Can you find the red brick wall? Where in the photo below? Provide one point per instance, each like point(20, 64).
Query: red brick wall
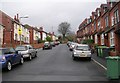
point(38, 45)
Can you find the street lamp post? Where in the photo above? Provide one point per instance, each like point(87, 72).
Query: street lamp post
point(20, 30)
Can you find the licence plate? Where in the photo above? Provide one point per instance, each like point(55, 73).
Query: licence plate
point(82, 55)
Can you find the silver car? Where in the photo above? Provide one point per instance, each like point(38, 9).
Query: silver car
point(81, 50)
point(27, 51)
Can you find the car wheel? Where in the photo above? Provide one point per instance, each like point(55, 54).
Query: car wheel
point(21, 61)
point(36, 54)
point(30, 57)
point(89, 58)
point(9, 66)
point(74, 58)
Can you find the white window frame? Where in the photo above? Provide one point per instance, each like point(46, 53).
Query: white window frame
point(96, 39)
point(106, 21)
point(102, 39)
point(112, 41)
point(99, 24)
point(112, 20)
point(116, 16)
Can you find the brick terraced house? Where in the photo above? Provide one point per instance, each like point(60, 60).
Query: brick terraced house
point(103, 26)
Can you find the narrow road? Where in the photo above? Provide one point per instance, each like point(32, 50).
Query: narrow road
point(56, 65)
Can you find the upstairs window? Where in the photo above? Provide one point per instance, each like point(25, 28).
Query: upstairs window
point(112, 39)
point(112, 20)
point(99, 24)
point(98, 12)
point(116, 16)
point(94, 26)
point(106, 21)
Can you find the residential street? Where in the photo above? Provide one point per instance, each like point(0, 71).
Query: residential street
point(56, 65)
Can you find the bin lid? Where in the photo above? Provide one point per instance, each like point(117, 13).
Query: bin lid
point(113, 57)
point(102, 47)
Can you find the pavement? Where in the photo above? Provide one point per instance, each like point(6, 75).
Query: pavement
point(101, 60)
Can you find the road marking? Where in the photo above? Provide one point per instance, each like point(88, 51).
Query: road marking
point(99, 64)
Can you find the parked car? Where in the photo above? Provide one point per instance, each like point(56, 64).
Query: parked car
point(81, 50)
point(47, 45)
point(9, 57)
point(52, 43)
point(72, 46)
point(57, 42)
point(27, 51)
point(68, 43)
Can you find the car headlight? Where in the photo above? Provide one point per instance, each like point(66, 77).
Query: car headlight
point(89, 53)
point(3, 58)
point(75, 52)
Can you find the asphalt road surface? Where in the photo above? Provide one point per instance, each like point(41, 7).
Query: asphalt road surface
point(56, 65)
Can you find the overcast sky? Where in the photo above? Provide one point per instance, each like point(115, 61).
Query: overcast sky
point(50, 13)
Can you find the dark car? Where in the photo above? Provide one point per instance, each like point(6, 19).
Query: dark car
point(47, 45)
point(9, 57)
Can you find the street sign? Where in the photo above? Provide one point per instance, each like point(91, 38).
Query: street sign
point(20, 31)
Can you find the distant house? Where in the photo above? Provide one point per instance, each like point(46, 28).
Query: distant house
point(43, 34)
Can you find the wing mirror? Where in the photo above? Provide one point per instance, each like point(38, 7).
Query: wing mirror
point(16, 52)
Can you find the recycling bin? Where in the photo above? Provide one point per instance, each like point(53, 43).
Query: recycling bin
point(113, 67)
point(106, 51)
point(100, 50)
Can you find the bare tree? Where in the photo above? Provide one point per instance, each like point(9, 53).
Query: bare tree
point(64, 28)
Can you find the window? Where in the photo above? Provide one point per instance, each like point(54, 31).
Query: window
point(116, 16)
point(98, 13)
point(111, 4)
point(105, 9)
point(102, 39)
point(99, 24)
point(112, 20)
point(106, 21)
point(0, 41)
point(16, 37)
point(96, 39)
point(27, 39)
point(22, 37)
point(112, 38)
point(94, 25)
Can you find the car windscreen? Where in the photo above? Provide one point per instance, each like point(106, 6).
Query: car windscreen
point(3, 51)
point(82, 48)
point(21, 48)
point(46, 43)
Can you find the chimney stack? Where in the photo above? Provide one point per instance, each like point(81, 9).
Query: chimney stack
point(41, 28)
point(15, 17)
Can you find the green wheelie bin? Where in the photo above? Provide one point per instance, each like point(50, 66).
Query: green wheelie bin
point(113, 67)
point(100, 50)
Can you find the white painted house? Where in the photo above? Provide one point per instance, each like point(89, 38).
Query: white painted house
point(36, 34)
point(44, 35)
point(24, 33)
